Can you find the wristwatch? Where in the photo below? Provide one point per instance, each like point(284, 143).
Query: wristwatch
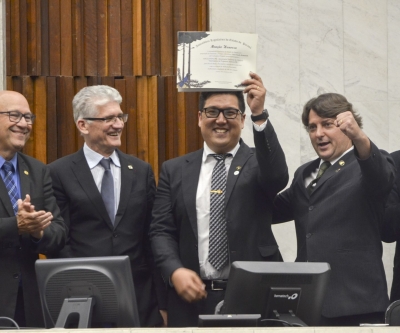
point(263, 116)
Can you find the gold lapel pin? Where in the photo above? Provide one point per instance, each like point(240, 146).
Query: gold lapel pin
point(341, 162)
point(238, 167)
point(26, 172)
point(130, 167)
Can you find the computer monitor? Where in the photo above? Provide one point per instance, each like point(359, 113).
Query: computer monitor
point(79, 292)
point(292, 292)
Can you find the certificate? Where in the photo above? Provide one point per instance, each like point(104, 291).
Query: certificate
point(209, 61)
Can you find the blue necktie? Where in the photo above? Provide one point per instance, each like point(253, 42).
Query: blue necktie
point(218, 237)
point(10, 185)
point(107, 189)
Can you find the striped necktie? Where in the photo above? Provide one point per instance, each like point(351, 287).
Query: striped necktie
point(12, 189)
point(218, 238)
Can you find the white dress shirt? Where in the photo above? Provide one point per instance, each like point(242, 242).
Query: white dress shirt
point(207, 271)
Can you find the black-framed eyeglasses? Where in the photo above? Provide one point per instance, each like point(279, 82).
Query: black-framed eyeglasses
point(111, 119)
point(16, 116)
point(229, 113)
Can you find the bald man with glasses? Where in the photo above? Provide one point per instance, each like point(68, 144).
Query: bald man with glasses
point(106, 197)
point(30, 221)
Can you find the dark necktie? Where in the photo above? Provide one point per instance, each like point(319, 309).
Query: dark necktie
point(324, 166)
point(107, 189)
point(10, 185)
point(218, 238)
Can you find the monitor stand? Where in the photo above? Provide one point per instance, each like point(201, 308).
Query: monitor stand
point(290, 317)
point(76, 310)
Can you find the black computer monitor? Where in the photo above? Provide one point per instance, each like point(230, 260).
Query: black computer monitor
point(79, 292)
point(287, 291)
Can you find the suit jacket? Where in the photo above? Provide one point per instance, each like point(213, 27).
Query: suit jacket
point(18, 253)
point(248, 201)
point(339, 223)
point(391, 228)
point(91, 232)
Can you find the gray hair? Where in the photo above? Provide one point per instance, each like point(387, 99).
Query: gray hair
point(87, 100)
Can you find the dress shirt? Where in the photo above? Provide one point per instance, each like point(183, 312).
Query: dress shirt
point(207, 271)
point(15, 177)
point(313, 175)
point(93, 159)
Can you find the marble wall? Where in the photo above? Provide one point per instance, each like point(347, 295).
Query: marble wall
point(309, 47)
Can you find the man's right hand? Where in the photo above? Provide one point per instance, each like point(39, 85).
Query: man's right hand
point(30, 221)
point(188, 285)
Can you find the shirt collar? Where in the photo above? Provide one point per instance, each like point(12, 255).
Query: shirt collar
point(207, 151)
point(334, 161)
point(93, 158)
point(13, 161)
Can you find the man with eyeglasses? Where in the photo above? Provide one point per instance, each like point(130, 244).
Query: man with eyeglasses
point(30, 221)
point(338, 202)
point(213, 206)
point(106, 197)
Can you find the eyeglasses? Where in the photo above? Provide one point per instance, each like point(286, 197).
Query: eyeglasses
point(16, 116)
point(111, 119)
point(229, 113)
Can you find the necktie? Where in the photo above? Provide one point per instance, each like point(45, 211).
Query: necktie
point(324, 166)
point(218, 238)
point(10, 185)
point(107, 189)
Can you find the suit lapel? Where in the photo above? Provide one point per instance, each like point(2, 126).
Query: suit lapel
point(236, 168)
point(128, 180)
point(310, 168)
point(190, 180)
point(341, 164)
point(24, 177)
point(85, 178)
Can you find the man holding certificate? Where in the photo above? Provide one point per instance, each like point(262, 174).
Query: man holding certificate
point(213, 206)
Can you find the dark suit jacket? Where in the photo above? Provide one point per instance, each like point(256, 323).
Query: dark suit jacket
point(248, 200)
point(339, 223)
point(91, 232)
point(19, 253)
point(391, 228)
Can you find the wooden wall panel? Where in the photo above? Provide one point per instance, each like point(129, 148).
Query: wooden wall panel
point(57, 47)
point(66, 38)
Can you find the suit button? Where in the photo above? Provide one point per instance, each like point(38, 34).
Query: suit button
point(309, 235)
point(311, 208)
point(16, 276)
point(115, 235)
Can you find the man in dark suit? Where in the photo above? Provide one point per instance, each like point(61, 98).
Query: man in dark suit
point(391, 227)
point(181, 231)
point(29, 226)
point(338, 215)
point(97, 225)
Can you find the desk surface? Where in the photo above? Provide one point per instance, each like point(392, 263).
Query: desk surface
point(229, 329)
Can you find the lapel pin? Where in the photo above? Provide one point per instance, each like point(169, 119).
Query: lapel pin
point(238, 167)
point(236, 173)
point(130, 167)
point(341, 162)
point(26, 172)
